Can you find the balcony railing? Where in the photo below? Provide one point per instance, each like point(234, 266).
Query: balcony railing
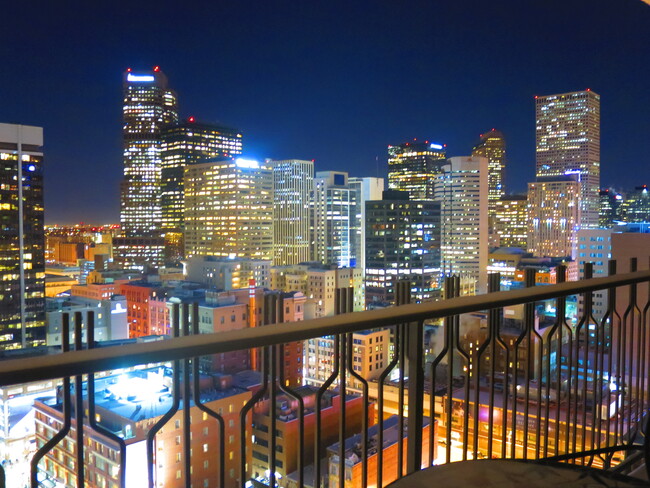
point(507, 374)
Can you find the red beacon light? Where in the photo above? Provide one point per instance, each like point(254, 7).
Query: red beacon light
point(128, 70)
point(191, 119)
point(156, 69)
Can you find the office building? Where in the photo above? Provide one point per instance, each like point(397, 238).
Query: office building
point(370, 350)
point(367, 188)
point(492, 145)
point(568, 141)
point(184, 144)
point(402, 243)
point(229, 209)
point(149, 106)
point(510, 221)
point(554, 215)
point(412, 166)
point(462, 190)
point(110, 322)
point(636, 206)
point(287, 430)
point(333, 231)
point(610, 208)
point(319, 282)
point(594, 246)
point(228, 273)
point(22, 272)
point(293, 186)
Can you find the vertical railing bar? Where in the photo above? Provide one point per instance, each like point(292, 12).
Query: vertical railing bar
point(92, 419)
point(197, 401)
point(476, 371)
point(415, 356)
point(464, 354)
point(67, 408)
point(561, 324)
point(342, 396)
point(175, 402)
point(529, 325)
point(433, 393)
point(613, 316)
point(380, 407)
point(569, 388)
point(646, 356)
point(588, 306)
point(628, 359)
point(450, 292)
point(506, 386)
point(79, 403)
point(639, 359)
point(515, 364)
point(244, 412)
point(364, 419)
point(401, 299)
point(272, 300)
point(494, 284)
point(187, 415)
point(602, 347)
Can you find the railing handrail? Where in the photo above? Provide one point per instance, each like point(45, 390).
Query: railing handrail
point(25, 370)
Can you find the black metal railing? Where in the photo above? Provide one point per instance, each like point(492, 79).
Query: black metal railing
point(508, 374)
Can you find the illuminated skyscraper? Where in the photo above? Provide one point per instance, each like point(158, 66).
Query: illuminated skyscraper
point(554, 214)
point(636, 206)
point(462, 190)
point(568, 141)
point(493, 146)
point(412, 167)
point(22, 268)
point(149, 106)
point(610, 208)
point(229, 209)
point(293, 186)
point(402, 243)
point(333, 230)
point(184, 144)
point(510, 222)
point(367, 188)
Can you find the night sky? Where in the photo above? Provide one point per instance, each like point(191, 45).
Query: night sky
point(331, 81)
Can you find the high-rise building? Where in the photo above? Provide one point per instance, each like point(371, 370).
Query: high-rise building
point(492, 145)
point(568, 141)
point(333, 231)
point(412, 166)
point(510, 222)
point(554, 215)
point(184, 144)
point(636, 206)
point(22, 273)
point(610, 208)
point(293, 186)
point(594, 246)
point(402, 243)
point(462, 190)
point(229, 209)
point(367, 188)
point(149, 106)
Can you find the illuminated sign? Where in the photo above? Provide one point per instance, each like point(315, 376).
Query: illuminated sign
point(132, 77)
point(247, 163)
point(435, 146)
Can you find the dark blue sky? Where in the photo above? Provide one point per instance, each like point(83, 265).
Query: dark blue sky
point(331, 81)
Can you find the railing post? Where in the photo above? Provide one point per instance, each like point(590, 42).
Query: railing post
point(415, 362)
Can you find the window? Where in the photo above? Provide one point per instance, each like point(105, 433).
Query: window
point(205, 448)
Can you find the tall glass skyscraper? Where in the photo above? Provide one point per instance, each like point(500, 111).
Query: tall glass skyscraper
point(492, 145)
point(568, 142)
point(22, 260)
point(229, 209)
point(412, 167)
point(293, 186)
point(183, 144)
point(149, 106)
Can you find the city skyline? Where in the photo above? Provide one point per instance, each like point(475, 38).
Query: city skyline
point(338, 96)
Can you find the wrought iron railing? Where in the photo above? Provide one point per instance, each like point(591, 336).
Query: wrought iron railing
point(503, 375)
